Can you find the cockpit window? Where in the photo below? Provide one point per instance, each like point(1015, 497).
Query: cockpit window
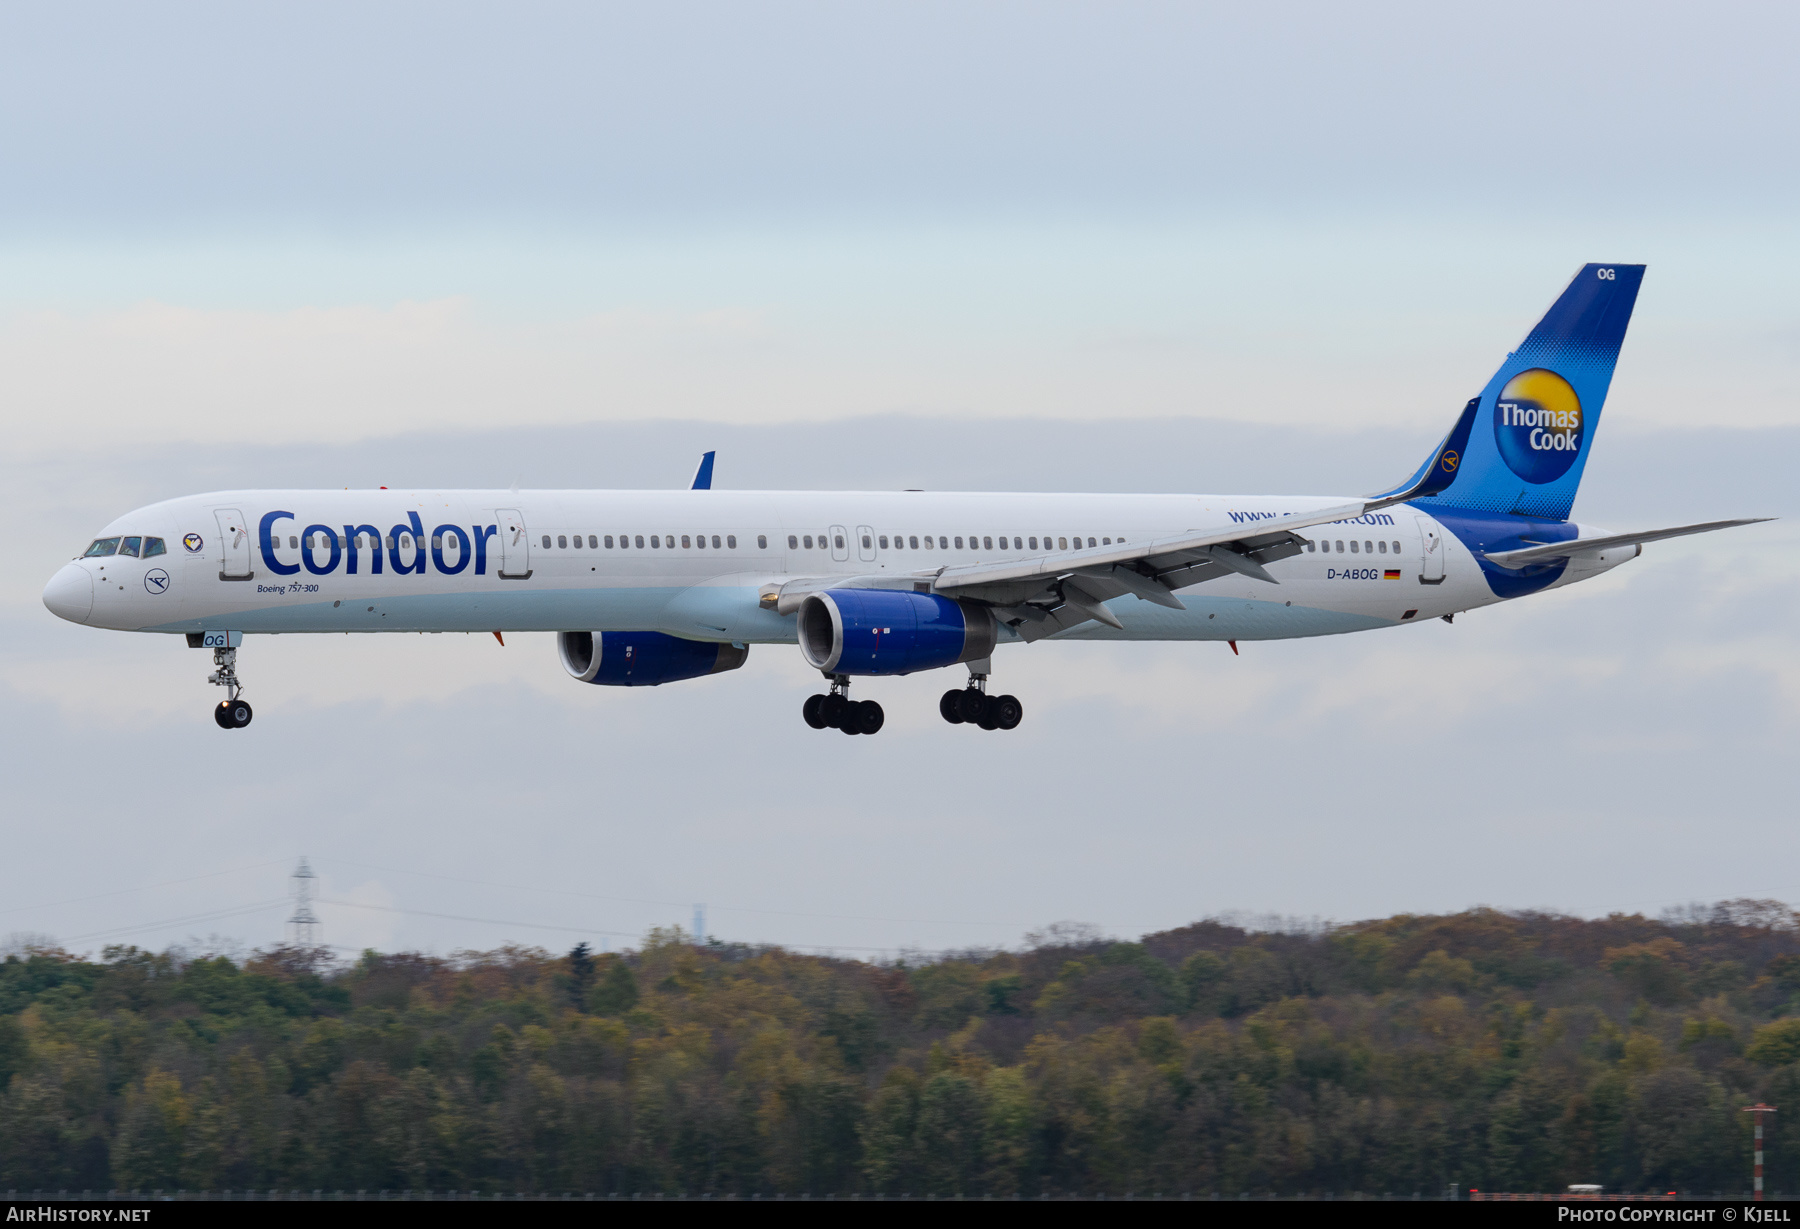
point(153, 546)
point(131, 546)
point(102, 546)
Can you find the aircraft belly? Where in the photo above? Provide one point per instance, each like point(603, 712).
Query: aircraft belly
point(612, 609)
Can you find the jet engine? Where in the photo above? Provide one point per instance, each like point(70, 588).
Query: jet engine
point(642, 659)
point(890, 631)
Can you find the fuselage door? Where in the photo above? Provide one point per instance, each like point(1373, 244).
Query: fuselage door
point(234, 542)
point(515, 545)
point(865, 543)
point(1431, 567)
point(840, 543)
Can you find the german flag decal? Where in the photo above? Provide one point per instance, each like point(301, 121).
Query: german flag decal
point(1391, 574)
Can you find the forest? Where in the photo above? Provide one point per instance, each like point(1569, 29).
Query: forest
point(1506, 1051)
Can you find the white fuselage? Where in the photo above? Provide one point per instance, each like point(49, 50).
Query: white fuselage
point(480, 562)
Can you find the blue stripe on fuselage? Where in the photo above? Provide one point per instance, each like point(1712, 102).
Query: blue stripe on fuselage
point(1497, 531)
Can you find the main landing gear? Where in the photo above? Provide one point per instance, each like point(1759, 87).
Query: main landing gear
point(234, 713)
point(974, 706)
point(970, 706)
point(837, 711)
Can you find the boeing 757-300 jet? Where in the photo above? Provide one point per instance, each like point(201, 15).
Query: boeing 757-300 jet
point(650, 587)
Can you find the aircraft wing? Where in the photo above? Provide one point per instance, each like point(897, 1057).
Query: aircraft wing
point(1060, 589)
point(1580, 546)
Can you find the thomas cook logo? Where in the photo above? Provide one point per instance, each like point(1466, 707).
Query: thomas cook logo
point(193, 542)
point(1538, 425)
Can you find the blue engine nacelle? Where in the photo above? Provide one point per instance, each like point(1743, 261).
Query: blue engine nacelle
point(642, 659)
point(891, 631)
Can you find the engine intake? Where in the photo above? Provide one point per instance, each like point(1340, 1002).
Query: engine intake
point(890, 631)
point(642, 659)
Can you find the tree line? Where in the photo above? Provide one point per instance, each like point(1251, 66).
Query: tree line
point(1504, 1051)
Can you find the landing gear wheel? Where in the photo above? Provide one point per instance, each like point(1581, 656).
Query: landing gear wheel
point(970, 705)
point(989, 713)
point(950, 707)
point(1006, 711)
point(811, 710)
point(867, 717)
point(222, 715)
point(239, 712)
point(832, 710)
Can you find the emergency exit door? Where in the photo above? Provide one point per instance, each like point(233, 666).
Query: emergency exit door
point(1431, 541)
point(515, 545)
point(234, 539)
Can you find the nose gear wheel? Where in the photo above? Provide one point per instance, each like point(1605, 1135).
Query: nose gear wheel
point(233, 713)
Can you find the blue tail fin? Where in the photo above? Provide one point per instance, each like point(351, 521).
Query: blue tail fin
point(1534, 422)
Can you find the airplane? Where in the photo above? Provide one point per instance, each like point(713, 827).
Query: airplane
point(649, 587)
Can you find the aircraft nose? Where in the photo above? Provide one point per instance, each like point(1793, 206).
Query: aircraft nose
point(70, 594)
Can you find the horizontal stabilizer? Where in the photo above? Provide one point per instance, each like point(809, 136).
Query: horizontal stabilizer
point(1581, 546)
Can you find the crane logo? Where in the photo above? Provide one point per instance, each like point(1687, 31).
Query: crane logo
point(1538, 425)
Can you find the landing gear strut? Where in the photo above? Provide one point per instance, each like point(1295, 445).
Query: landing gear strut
point(974, 706)
point(232, 713)
point(837, 711)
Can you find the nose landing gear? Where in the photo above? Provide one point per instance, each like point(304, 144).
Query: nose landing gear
point(973, 706)
point(233, 713)
point(837, 711)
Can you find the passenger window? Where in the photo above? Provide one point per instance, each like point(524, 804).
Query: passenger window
point(1353, 546)
point(638, 541)
point(1106, 541)
point(1090, 542)
point(1396, 548)
point(840, 541)
point(1340, 546)
point(1309, 547)
point(913, 543)
point(1384, 548)
point(808, 540)
point(959, 544)
point(883, 541)
point(1369, 547)
point(153, 546)
point(684, 542)
point(987, 544)
point(437, 541)
point(608, 540)
point(655, 542)
point(1032, 542)
point(1062, 544)
point(561, 541)
point(715, 539)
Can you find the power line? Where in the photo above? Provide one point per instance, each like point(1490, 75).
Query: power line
point(167, 883)
point(639, 900)
point(214, 915)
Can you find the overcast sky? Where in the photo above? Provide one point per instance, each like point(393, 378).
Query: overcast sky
point(1111, 247)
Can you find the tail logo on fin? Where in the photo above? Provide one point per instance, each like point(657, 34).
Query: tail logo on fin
point(1538, 425)
point(1450, 460)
